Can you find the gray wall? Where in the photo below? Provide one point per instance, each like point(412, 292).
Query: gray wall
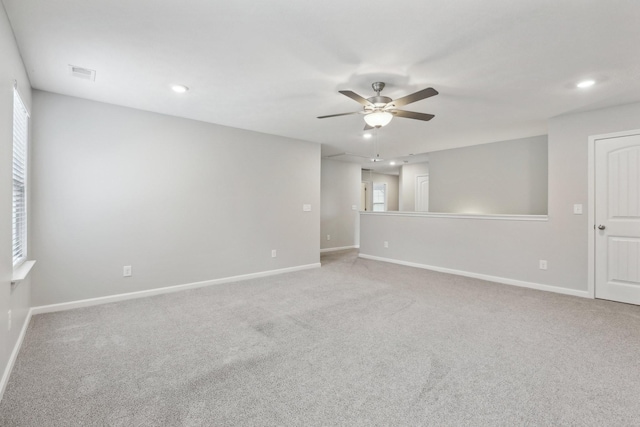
point(407, 184)
point(392, 188)
point(340, 190)
point(181, 201)
point(507, 177)
point(511, 249)
point(11, 68)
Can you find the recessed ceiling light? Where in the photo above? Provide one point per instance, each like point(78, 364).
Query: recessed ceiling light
point(179, 88)
point(366, 136)
point(586, 83)
point(392, 163)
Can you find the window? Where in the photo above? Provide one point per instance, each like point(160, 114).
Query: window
point(379, 197)
point(20, 139)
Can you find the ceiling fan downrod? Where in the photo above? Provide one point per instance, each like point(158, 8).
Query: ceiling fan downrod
point(378, 101)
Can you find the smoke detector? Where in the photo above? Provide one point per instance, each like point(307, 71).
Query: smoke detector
point(82, 73)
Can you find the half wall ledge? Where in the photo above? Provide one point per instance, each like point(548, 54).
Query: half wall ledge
point(498, 217)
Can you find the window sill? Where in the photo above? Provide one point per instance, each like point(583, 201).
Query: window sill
point(21, 273)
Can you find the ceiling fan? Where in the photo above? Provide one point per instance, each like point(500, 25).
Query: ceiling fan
point(379, 110)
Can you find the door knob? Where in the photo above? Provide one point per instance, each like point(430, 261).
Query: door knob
point(601, 227)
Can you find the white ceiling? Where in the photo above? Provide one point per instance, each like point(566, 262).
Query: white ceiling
point(502, 67)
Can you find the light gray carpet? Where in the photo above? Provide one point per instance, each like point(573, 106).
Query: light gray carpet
point(356, 342)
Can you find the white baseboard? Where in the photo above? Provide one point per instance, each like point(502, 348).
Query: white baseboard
point(342, 248)
point(503, 280)
point(14, 355)
point(158, 291)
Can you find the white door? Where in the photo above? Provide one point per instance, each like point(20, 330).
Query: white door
point(617, 215)
point(422, 193)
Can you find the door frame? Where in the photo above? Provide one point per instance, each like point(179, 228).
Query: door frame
point(368, 198)
point(591, 206)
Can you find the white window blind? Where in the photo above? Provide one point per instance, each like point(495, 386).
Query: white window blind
point(20, 142)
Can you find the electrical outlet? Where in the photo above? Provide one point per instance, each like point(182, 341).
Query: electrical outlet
point(354, 207)
point(306, 208)
point(126, 271)
point(273, 253)
point(543, 264)
point(328, 236)
point(9, 320)
point(386, 244)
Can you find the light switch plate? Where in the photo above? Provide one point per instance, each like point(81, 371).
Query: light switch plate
point(306, 208)
point(577, 209)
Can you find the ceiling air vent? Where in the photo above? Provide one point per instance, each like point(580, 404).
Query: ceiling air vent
point(82, 73)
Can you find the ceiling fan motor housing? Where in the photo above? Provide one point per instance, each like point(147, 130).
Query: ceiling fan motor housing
point(379, 101)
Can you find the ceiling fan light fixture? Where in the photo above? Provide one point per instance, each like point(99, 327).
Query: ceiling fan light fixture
point(379, 110)
point(378, 118)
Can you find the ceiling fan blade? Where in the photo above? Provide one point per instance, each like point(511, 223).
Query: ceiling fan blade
point(356, 97)
point(413, 115)
point(341, 114)
point(367, 127)
point(421, 94)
